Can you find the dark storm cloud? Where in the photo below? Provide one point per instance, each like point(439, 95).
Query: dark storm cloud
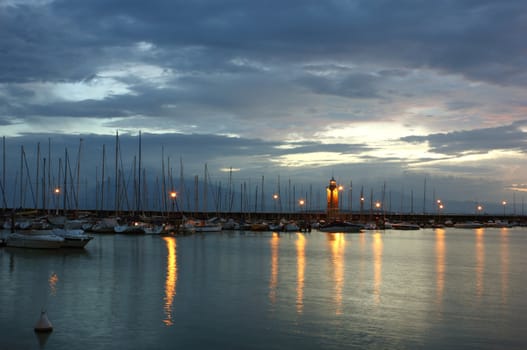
point(356, 85)
point(509, 137)
point(69, 39)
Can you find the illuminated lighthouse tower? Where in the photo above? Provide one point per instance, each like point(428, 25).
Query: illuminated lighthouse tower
point(333, 199)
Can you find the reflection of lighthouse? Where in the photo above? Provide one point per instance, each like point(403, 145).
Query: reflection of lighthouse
point(333, 199)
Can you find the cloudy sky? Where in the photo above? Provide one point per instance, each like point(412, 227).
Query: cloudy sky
point(370, 92)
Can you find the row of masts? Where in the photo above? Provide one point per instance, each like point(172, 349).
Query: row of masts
point(61, 188)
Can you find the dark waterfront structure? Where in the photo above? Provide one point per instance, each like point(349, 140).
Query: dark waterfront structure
point(312, 216)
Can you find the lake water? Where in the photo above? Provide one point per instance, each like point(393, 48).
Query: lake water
point(427, 289)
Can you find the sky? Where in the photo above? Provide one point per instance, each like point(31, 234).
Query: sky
point(403, 99)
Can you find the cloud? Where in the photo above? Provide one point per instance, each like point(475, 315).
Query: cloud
point(378, 87)
point(509, 137)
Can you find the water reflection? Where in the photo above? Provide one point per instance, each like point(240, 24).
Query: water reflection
point(53, 279)
point(440, 264)
point(337, 244)
point(504, 259)
point(377, 246)
point(300, 271)
point(480, 261)
point(171, 279)
point(273, 282)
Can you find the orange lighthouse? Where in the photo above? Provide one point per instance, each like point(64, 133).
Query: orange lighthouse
point(332, 199)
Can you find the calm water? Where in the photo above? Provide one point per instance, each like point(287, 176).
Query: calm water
point(432, 289)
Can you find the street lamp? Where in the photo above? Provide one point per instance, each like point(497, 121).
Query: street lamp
point(361, 203)
point(275, 199)
point(504, 203)
point(57, 194)
point(173, 196)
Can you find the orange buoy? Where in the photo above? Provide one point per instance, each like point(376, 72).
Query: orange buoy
point(43, 324)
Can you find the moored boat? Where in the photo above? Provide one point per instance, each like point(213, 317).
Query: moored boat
point(405, 226)
point(74, 238)
point(34, 239)
point(468, 224)
point(291, 226)
point(341, 226)
point(205, 225)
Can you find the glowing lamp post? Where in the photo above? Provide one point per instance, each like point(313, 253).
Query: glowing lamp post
point(173, 197)
point(57, 194)
point(361, 204)
point(276, 197)
point(440, 207)
point(378, 207)
point(504, 203)
point(301, 204)
point(479, 208)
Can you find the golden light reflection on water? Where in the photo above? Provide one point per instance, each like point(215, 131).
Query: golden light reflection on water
point(337, 244)
point(171, 279)
point(377, 246)
point(53, 279)
point(301, 268)
point(504, 259)
point(273, 282)
point(440, 265)
point(480, 261)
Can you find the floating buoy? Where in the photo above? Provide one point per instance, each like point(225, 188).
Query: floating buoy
point(43, 324)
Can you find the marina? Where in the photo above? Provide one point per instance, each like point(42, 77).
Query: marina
point(431, 288)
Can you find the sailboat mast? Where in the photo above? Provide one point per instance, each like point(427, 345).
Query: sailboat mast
point(21, 175)
point(43, 184)
point(139, 202)
point(182, 193)
point(37, 178)
point(262, 206)
point(103, 175)
point(424, 197)
point(77, 198)
point(116, 198)
point(163, 181)
point(49, 170)
point(196, 195)
point(3, 173)
point(65, 180)
point(205, 190)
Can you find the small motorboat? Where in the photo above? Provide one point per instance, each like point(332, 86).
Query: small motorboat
point(34, 239)
point(73, 238)
point(405, 226)
point(341, 226)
